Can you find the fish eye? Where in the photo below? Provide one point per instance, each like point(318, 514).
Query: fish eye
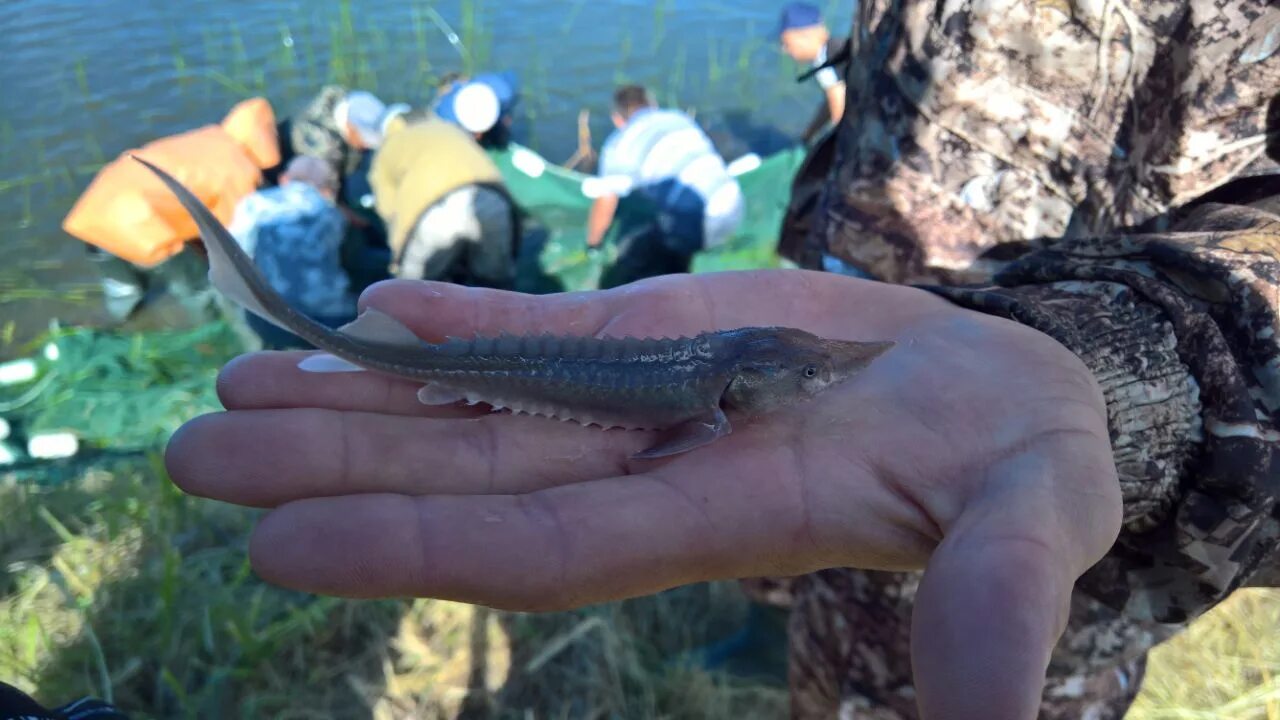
point(810, 371)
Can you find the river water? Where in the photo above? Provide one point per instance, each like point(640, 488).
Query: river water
point(84, 81)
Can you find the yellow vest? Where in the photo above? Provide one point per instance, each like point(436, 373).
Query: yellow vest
point(418, 164)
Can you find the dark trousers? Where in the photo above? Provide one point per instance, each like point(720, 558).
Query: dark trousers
point(643, 253)
point(126, 286)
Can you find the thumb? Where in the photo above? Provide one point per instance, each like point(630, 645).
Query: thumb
point(996, 595)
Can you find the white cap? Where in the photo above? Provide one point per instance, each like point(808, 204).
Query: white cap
point(477, 107)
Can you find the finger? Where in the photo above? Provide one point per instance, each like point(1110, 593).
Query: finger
point(667, 305)
point(994, 600)
point(435, 310)
point(558, 548)
point(263, 458)
point(265, 380)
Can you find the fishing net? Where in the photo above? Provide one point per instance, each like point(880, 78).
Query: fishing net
point(555, 256)
point(119, 391)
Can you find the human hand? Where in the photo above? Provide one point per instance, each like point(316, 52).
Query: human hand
point(976, 449)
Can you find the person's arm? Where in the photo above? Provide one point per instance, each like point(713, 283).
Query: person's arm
point(619, 170)
point(835, 102)
point(833, 87)
point(600, 218)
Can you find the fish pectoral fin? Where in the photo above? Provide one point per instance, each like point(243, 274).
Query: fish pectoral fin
point(376, 326)
point(326, 363)
point(438, 394)
point(688, 435)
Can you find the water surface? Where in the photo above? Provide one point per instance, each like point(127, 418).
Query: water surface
point(85, 81)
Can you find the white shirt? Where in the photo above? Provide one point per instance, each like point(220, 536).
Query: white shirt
point(826, 77)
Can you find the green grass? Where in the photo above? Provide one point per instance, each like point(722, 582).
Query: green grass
point(117, 585)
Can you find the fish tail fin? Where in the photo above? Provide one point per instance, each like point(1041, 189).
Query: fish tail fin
point(231, 271)
point(375, 326)
point(371, 326)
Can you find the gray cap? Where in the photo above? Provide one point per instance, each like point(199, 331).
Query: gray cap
point(313, 171)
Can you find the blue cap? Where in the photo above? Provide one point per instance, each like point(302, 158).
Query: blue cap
point(799, 15)
point(504, 89)
point(444, 105)
point(504, 85)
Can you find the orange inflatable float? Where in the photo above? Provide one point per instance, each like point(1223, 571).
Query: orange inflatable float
point(129, 213)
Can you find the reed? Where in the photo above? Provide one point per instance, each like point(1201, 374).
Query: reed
point(622, 72)
point(471, 37)
point(676, 78)
point(661, 9)
point(420, 44)
point(715, 70)
point(567, 26)
point(81, 76)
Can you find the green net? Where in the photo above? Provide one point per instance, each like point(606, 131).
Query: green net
point(555, 257)
point(121, 391)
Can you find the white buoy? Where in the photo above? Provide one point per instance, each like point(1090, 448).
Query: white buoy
point(52, 446)
point(528, 162)
point(744, 164)
point(17, 371)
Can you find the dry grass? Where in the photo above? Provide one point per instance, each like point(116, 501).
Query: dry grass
point(1224, 667)
point(114, 584)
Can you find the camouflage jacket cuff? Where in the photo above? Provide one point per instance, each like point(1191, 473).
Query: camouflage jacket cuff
point(1153, 402)
point(1179, 331)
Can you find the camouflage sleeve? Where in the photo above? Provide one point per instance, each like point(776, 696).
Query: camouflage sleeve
point(975, 124)
point(1179, 329)
point(315, 132)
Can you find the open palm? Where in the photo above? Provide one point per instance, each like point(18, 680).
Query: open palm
point(975, 449)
